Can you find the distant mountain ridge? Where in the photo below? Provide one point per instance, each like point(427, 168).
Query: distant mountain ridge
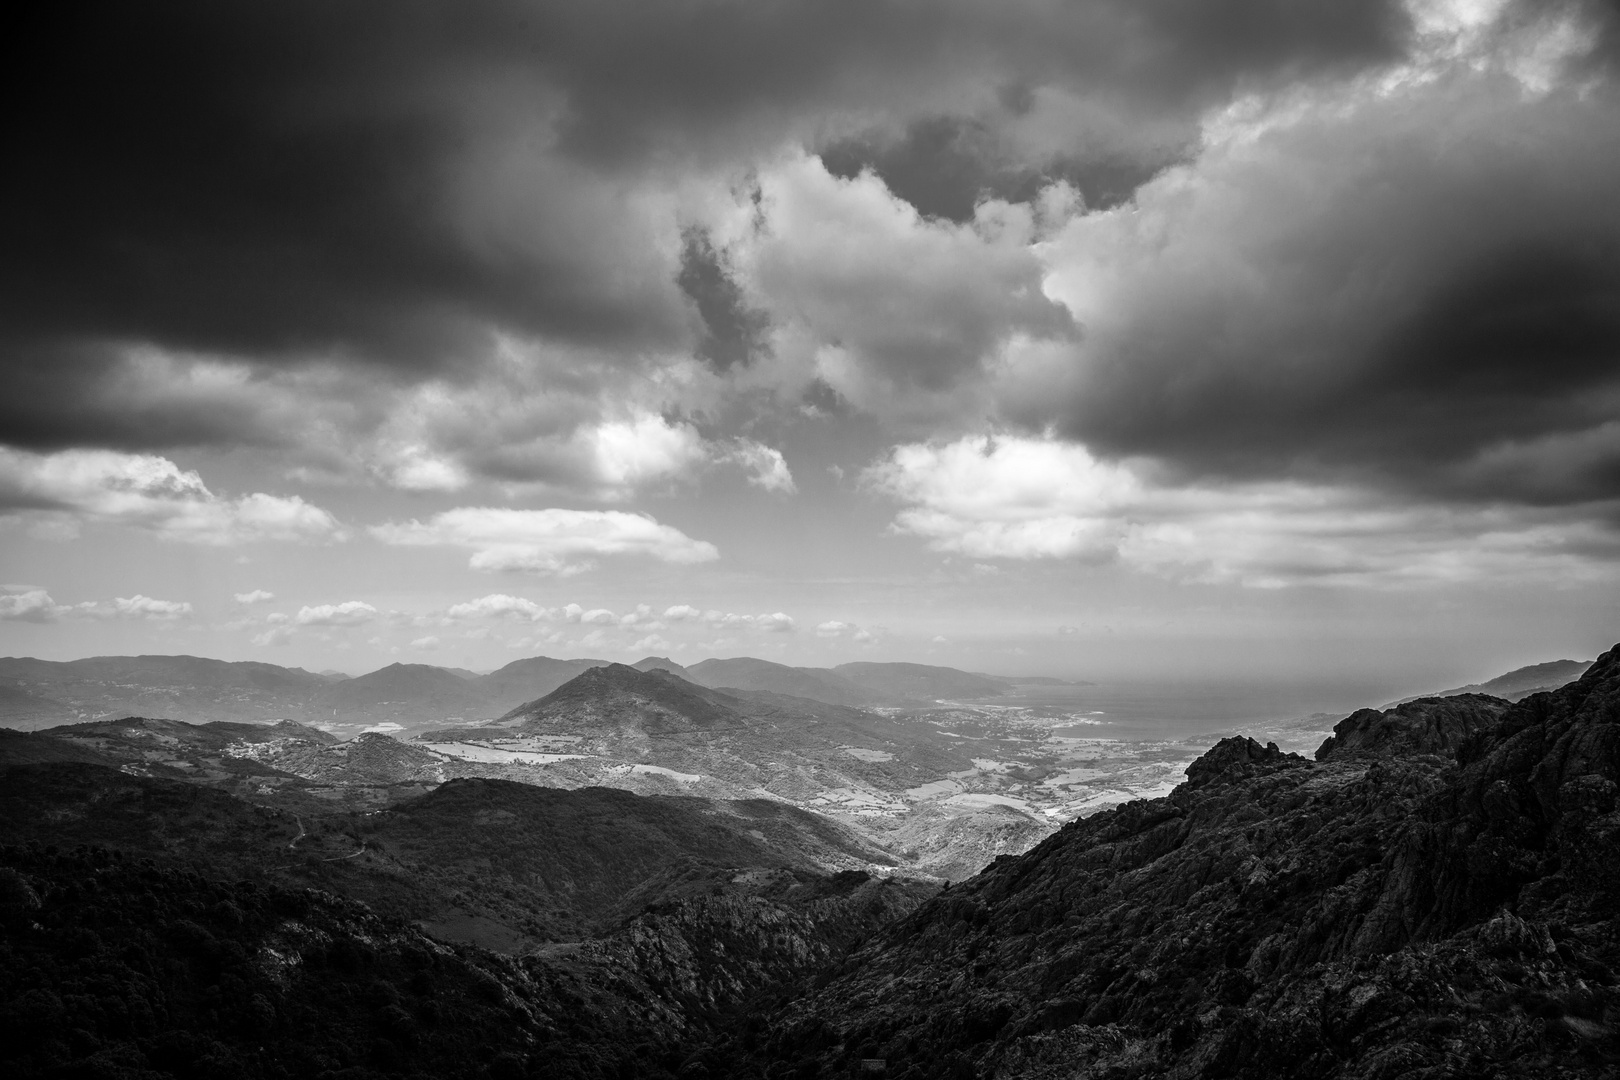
point(818, 684)
point(44, 693)
point(1518, 683)
point(922, 680)
point(635, 702)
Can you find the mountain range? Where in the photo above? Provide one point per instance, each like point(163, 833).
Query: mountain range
point(1432, 893)
point(41, 693)
point(1521, 682)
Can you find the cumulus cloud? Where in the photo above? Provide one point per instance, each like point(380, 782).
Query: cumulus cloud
point(1021, 498)
point(32, 605)
point(516, 429)
point(892, 311)
point(36, 605)
point(426, 644)
point(348, 613)
point(145, 607)
point(500, 605)
point(1405, 280)
point(410, 218)
point(149, 492)
point(765, 466)
point(771, 623)
point(627, 454)
point(547, 541)
point(256, 596)
point(837, 628)
point(682, 613)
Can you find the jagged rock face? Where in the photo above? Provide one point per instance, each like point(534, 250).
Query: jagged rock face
point(1425, 726)
point(1234, 759)
point(1377, 913)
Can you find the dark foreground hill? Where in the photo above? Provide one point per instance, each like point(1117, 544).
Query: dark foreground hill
point(1436, 895)
point(1393, 914)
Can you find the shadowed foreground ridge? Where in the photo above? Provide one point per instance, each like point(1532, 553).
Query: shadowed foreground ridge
point(1382, 912)
point(1434, 896)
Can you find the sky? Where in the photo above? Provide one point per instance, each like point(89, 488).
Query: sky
point(1253, 339)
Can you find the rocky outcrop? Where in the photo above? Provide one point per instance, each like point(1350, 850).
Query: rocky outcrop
point(1385, 911)
point(1431, 725)
point(1234, 759)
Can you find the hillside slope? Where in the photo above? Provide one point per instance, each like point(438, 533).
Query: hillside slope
point(1371, 914)
point(402, 694)
point(529, 679)
point(818, 684)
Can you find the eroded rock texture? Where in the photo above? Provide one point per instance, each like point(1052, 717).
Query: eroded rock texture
point(1436, 896)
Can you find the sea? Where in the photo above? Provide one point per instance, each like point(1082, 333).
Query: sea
point(1161, 711)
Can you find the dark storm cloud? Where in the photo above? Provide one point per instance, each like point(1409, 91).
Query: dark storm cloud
point(733, 333)
point(689, 65)
point(258, 179)
point(1419, 289)
point(390, 183)
point(56, 398)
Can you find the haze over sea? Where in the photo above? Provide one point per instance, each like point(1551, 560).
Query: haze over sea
point(1174, 709)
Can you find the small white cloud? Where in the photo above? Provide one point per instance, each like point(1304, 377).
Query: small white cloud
point(776, 623)
point(682, 613)
point(833, 628)
point(549, 541)
point(145, 607)
point(414, 467)
point(276, 635)
point(500, 605)
point(36, 605)
point(60, 491)
point(640, 617)
point(940, 639)
point(599, 616)
point(765, 466)
point(426, 644)
point(650, 643)
point(257, 596)
point(1068, 629)
point(645, 448)
point(33, 605)
point(348, 613)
